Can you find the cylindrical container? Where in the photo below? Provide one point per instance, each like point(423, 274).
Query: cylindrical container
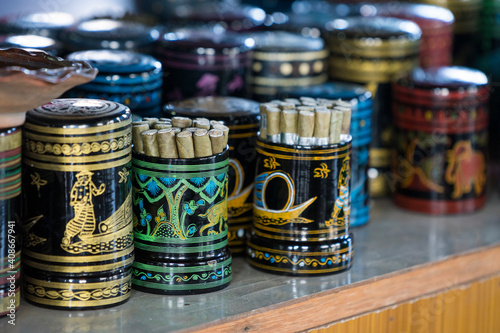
point(110, 34)
point(490, 25)
point(47, 24)
point(242, 118)
point(361, 131)
point(34, 42)
point(302, 209)
point(285, 60)
point(441, 120)
point(466, 27)
point(232, 16)
point(129, 78)
point(199, 63)
point(374, 51)
point(10, 219)
point(435, 22)
point(77, 231)
point(180, 224)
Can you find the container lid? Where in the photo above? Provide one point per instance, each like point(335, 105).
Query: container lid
point(230, 16)
point(452, 78)
point(44, 24)
point(31, 42)
point(426, 16)
point(282, 41)
point(110, 34)
point(214, 107)
point(206, 42)
point(72, 113)
point(117, 61)
point(383, 28)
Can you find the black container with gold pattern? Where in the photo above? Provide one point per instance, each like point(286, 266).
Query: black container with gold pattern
point(242, 117)
point(284, 60)
point(302, 208)
point(374, 51)
point(10, 215)
point(77, 225)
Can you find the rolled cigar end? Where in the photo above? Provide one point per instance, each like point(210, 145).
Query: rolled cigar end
point(217, 140)
point(202, 143)
point(346, 119)
point(273, 121)
point(306, 108)
point(185, 146)
point(225, 131)
point(202, 123)
point(294, 101)
point(167, 145)
point(215, 122)
point(306, 124)
point(335, 127)
point(322, 123)
point(191, 129)
point(166, 120)
point(181, 122)
point(162, 124)
point(286, 106)
point(137, 138)
point(140, 122)
point(150, 143)
point(151, 121)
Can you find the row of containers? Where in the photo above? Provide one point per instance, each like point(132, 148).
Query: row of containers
point(291, 204)
point(187, 212)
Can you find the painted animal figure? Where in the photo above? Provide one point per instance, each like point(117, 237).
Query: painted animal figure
point(215, 215)
point(465, 170)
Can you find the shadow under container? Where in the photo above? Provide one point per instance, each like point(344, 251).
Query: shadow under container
point(302, 208)
point(10, 219)
point(441, 121)
point(374, 52)
point(125, 77)
point(77, 225)
point(361, 132)
point(180, 224)
point(199, 63)
point(284, 60)
point(242, 118)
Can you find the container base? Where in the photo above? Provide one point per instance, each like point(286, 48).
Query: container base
point(441, 207)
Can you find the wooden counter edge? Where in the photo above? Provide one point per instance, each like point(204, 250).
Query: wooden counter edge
point(363, 297)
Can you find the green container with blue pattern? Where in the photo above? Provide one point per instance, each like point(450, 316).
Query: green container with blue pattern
point(180, 224)
point(361, 131)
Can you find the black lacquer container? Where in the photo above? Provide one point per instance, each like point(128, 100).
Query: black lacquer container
point(285, 60)
point(242, 118)
point(77, 228)
point(46, 44)
point(47, 24)
point(10, 216)
point(110, 34)
point(180, 224)
point(302, 209)
point(199, 63)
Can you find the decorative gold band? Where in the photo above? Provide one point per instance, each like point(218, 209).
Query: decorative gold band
point(289, 82)
point(290, 56)
point(12, 141)
point(76, 131)
point(77, 259)
point(76, 167)
point(64, 268)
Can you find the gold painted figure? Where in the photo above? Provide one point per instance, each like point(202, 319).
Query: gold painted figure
point(83, 224)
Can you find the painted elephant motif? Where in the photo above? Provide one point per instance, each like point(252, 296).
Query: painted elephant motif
point(465, 170)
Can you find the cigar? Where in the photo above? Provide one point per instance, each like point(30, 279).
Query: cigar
point(217, 140)
point(321, 126)
point(273, 124)
point(342, 103)
point(167, 120)
point(306, 108)
point(150, 143)
point(307, 99)
point(151, 121)
point(185, 146)
point(136, 136)
point(263, 121)
point(294, 101)
point(225, 131)
point(167, 145)
point(191, 129)
point(346, 118)
point(286, 106)
point(162, 124)
point(181, 122)
point(215, 122)
point(202, 143)
point(335, 127)
point(306, 128)
point(202, 123)
point(140, 122)
point(288, 127)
